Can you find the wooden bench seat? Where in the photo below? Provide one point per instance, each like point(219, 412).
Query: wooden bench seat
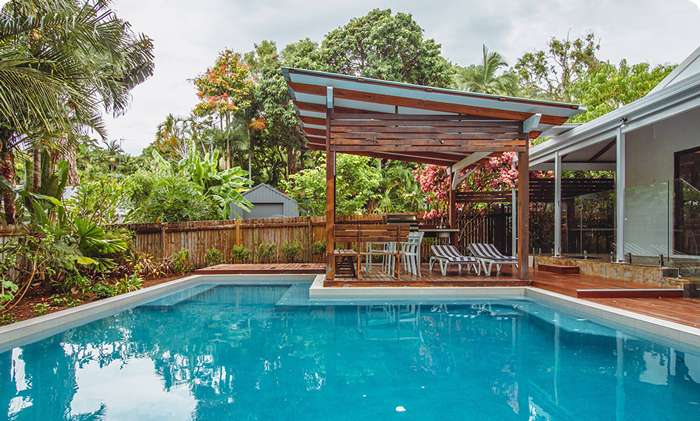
point(361, 235)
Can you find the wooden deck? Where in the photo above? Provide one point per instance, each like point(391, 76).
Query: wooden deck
point(264, 268)
point(378, 278)
point(630, 296)
point(584, 286)
point(679, 310)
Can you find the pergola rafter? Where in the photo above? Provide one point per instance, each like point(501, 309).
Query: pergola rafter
point(390, 120)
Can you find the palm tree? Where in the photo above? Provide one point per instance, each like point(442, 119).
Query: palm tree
point(60, 62)
point(114, 150)
point(170, 137)
point(482, 77)
point(233, 138)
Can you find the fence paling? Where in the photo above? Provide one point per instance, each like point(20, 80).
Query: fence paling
point(164, 239)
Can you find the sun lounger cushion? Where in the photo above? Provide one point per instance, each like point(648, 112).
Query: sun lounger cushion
point(451, 254)
point(489, 251)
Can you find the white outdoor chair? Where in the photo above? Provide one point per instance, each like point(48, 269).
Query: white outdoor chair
point(411, 252)
point(488, 253)
point(449, 255)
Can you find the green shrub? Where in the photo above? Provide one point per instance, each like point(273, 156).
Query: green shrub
point(181, 262)
point(128, 284)
point(214, 257)
point(240, 254)
point(265, 252)
point(103, 290)
point(41, 308)
point(318, 248)
point(64, 301)
point(74, 284)
point(291, 251)
point(6, 319)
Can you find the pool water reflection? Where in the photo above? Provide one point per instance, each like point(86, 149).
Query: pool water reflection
point(231, 353)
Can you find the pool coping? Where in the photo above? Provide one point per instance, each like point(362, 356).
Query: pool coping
point(31, 330)
point(41, 327)
point(672, 333)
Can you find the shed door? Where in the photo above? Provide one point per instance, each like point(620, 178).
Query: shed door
point(266, 210)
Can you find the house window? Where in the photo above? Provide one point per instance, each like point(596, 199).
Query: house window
point(686, 212)
point(688, 166)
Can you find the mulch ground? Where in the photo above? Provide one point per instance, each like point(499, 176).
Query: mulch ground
point(26, 307)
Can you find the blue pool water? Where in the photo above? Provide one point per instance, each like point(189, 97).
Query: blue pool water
point(254, 353)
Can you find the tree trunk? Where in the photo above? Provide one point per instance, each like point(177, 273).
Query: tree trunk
point(36, 171)
point(71, 157)
point(7, 171)
point(250, 153)
point(292, 161)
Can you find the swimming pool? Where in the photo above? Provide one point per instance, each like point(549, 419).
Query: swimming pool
point(264, 352)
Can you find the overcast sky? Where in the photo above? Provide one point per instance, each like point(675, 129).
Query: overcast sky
point(189, 34)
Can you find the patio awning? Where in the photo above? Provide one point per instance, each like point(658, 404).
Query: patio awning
point(400, 121)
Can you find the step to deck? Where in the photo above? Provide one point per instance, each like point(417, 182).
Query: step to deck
point(264, 268)
point(562, 269)
point(630, 293)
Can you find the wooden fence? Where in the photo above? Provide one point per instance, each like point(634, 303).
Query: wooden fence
point(165, 239)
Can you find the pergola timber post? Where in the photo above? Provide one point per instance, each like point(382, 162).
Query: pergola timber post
point(330, 191)
point(557, 205)
point(523, 212)
point(453, 214)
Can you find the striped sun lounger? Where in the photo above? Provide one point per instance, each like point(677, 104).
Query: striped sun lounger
point(487, 253)
point(449, 255)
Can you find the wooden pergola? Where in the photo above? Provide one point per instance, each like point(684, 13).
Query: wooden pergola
point(391, 120)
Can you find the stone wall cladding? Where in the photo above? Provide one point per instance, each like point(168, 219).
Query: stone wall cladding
point(634, 273)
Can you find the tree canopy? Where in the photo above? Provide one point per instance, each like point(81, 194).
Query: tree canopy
point(385, 46)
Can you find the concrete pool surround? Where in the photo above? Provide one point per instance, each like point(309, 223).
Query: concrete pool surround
point(673, 334)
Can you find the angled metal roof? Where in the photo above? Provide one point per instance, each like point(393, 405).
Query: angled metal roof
point(353, 94)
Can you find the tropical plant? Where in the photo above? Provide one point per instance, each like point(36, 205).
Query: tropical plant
point(103, 290)
point(482, 77)
point(357, 183)
point(223, 187)
point(214, 257)
point(239, 254)
point(318, 247)
point(128, 284)
point(291, 251)
point(61, 62)
point(401, 191)
point(41, 308)
point(181, 262)
point(265, 252)
point(226, 89)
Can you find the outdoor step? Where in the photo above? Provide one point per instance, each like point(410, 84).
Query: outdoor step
point(562, 269)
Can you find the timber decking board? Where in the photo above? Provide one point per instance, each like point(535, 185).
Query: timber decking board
point(264, 268)
point(561, 269)
point(679, 310)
